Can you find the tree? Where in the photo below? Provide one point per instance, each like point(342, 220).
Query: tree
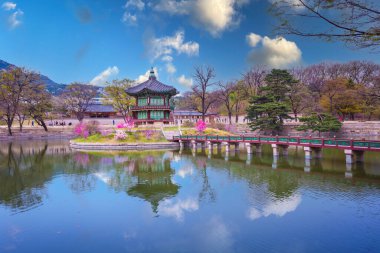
point(203, 77)
point(12, 85)
point(38, 102)
point(356, 22)
point(320, 122)
point(254, 80)
point(330, 91)
point(268, 110)
point(299, 98)
point(115, 94)
point(226, 94)
point(239, 96)
point(77, 98)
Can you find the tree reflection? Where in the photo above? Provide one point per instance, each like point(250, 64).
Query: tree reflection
point(23, 173)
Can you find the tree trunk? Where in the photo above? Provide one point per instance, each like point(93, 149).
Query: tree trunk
point(20, 123)
point(44, 125)
point(230, 117)
point(9, 124)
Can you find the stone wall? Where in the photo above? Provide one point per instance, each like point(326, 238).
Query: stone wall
point(350, 129)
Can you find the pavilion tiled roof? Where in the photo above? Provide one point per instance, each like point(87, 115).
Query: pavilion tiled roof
point(152, 86)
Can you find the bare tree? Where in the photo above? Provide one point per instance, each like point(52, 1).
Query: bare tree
point(225, 94)
point(356, 22)
point(254, 79)
point(203, 77)
point(77, 98)
point(13, 84)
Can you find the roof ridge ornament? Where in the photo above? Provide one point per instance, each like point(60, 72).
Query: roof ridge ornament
point(152, 76)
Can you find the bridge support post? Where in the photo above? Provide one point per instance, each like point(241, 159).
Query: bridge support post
point(249, 159)
point(194, 145)
point(249, 148)
point(274, 162)
point(210, 146)
point(349, 156)
point(307, 152)
point(227, 147)
point(307, 166)
point(181, 144)
point(275, 150)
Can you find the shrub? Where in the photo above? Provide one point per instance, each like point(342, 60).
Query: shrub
point(93, 127)
point(230, 128)
point(129, 124)
point(200, 126)
point(81, 130)
point(219, 126)
point(148, 134)
point(120, 135)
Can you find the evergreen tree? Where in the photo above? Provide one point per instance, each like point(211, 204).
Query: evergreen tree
point(320, 123)
point(268, 110)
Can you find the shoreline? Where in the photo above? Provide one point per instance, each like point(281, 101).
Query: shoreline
point(123, 146)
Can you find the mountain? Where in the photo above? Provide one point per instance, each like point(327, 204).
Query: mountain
point(51, 86)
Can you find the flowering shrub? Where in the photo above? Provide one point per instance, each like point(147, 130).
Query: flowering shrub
point(81, 130)
point(129, 124)
point(92, 127)
point(148, 134)
point(230, 128)
point(104, 132)
point(200, 126)
point(120, 135)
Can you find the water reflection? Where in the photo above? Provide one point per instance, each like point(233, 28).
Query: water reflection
point(209, 204)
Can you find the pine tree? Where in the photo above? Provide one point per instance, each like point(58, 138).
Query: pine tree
point(268, 110)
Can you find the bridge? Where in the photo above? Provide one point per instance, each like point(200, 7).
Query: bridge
point(353, 149)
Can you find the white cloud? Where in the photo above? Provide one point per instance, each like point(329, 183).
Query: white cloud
point(294, 4)
point(103, 77)
point(253, 39)
point(9, 6)
point(187, 82)
point(138, 4)
point(177, 209)
point(214, 16)
point(14, 19)
point(166, 45)
point(145, 77)
point(129, 18)
point(174, 7)
point(277, 208)
point(170, 68)
point(276, 53)
point(167, 58)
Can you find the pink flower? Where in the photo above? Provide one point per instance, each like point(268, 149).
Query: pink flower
point(81, 130)
point(200, 126)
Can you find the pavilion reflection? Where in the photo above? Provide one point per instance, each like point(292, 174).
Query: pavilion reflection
point(154, 181)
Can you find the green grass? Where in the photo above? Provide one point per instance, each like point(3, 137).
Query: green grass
point(132, 137)
point(208, 131)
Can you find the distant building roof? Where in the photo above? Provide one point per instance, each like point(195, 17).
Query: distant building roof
point(152, 86)
point(100, 108)
point(190, 113)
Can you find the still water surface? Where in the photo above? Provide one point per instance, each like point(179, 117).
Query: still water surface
point(53, 199)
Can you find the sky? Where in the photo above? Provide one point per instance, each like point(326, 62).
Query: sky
point(100, 40)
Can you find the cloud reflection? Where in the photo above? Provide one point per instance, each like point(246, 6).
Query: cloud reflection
point(278, 208)
point(177, 209)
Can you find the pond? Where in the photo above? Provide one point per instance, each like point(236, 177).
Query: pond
point(53, 199)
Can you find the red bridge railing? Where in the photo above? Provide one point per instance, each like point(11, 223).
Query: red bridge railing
point(285, 140)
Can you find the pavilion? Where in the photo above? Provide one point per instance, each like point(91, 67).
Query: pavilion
point(152, 101)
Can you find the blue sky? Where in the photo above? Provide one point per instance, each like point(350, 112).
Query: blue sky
point(99, 40)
